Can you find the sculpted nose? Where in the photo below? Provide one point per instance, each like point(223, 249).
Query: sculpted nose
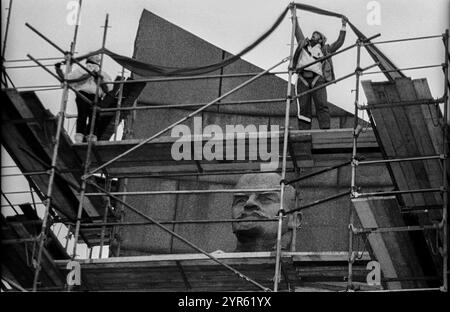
point(251, 204)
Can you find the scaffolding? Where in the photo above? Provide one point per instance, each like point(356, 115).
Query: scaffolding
point(118, 197)
point(442, 157)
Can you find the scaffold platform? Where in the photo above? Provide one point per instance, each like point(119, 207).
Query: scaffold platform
point(308, 148)
point(195, 272)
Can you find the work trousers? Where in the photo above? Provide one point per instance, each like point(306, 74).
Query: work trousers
point(320, 102)
point(85, 114)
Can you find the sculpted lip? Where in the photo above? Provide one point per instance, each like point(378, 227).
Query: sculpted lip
point(252, 216)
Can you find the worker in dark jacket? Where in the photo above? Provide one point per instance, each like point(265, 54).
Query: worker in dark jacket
point(309, 50)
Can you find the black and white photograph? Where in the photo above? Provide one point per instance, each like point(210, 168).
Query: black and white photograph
point(238, 147)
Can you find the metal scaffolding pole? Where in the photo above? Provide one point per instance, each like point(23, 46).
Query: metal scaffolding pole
point(105, 215)
point(93, 225)
point(401, 40)
point(285, 151)
point(392, 160)
point(402, 69)
point(4, 74)
point(186, 78)
point(53, 169)
point(89, 148)
point(353, 188)
point(190, 105)
point(8, 19)
point(335, 81)
point(445, 193)
point(63, 105)
point(119, 105)
point(186, 192)
point(313, 174)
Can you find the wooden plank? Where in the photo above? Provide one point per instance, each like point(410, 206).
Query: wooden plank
point(156, 156)
point(27, 105)
point(428, 172)
point(401, 133)
point(384, 129)
point(367, 218)
point(49, 268)
point(393, 250)
point(244, 257)
point(211, 277)
point(432, 116)
point(393, 119)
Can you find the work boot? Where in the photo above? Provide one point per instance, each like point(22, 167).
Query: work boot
point(79, 137)
point(92, 138)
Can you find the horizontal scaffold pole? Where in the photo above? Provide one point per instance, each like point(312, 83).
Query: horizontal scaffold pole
point(94, 225)
point(186, 78)
point(313, 174)
point(191, 105)
point(401, 103)
point(395, 229)
point(59, 79)
point(183, 119)
point(382, 161)
point(403, 290)
point(60, 50)
point(184, 240)
point(401, 40)
point(402, 69)
point(428, 190)
point(335, 81)
point(39, 59)
point(318, 202)
point(185, 192)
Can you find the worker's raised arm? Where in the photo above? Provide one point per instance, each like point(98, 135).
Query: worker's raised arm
point(298, 32)
point(340, 41)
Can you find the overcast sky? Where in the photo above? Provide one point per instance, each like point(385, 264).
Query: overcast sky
point(230, 25)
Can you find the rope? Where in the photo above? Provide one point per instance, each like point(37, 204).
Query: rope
point(147, 69)
point(375, 53)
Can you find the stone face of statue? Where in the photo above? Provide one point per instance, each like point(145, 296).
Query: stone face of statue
point(252, 235)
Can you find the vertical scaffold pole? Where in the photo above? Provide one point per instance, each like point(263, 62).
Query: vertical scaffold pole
point(353, 166)
point(128, 133)
point(108, 182)
point(119, 105)
point(285, 145)
point(60, 123)
point(89, 147)
point(444, 171)
point(8, 19)
point(60, 118)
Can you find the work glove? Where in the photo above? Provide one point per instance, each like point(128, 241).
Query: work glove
point(344, 21)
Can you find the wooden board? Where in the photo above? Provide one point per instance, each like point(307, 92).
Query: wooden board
point(30, 144)
point(309, 148)
point(394, 250)
point(408, 131)
point(17, 257)
point(195, 272)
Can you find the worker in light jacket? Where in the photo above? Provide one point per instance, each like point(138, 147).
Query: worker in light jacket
point(86, 85)
point(309, 50)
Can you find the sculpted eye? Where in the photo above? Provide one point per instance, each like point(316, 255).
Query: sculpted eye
point(268, 198)
point(239, 200)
